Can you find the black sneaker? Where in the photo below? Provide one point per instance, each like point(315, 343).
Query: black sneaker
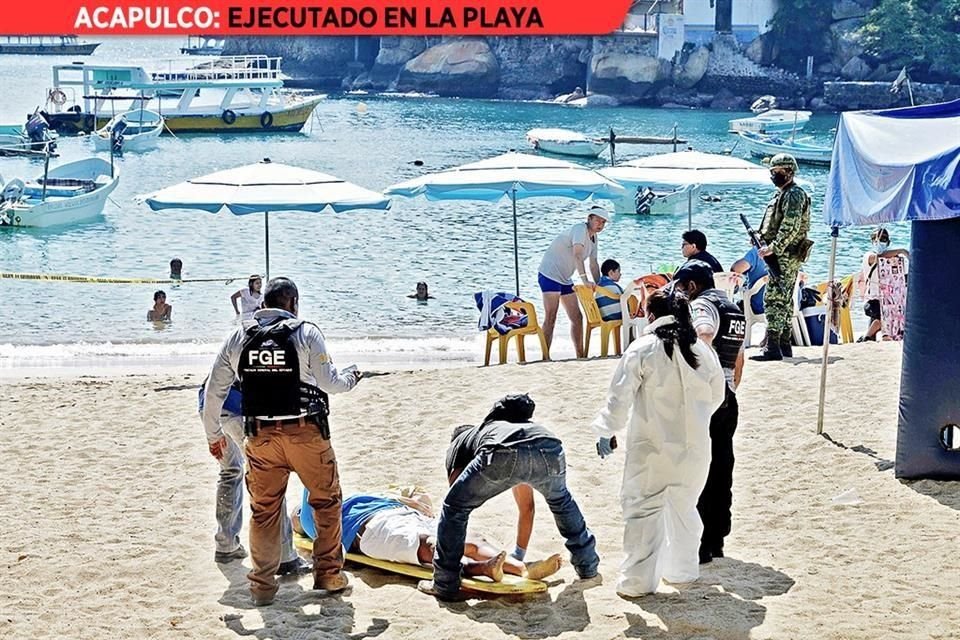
point(223, 557)
point(295, 567)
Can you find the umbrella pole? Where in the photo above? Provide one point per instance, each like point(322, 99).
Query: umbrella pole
point(266, 240)
point(516, 250)
point(689, 208)
point(826, 330)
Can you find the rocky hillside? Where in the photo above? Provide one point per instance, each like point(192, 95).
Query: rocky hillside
point(620, 68)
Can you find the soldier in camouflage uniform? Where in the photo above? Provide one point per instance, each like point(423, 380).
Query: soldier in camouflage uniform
point(784, 229)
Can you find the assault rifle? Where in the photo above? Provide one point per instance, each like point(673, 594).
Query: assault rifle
point(773, 264)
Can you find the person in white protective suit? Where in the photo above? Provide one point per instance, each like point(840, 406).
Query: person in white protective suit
point(668, 383)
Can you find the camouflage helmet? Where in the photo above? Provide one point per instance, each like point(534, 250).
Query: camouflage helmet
point(784, 160)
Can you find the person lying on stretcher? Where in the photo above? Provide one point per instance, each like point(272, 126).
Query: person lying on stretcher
point(403, 529)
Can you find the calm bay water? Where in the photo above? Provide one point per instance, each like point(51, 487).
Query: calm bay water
point(354, 269)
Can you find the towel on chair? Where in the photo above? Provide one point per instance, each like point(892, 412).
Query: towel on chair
point(494, 313)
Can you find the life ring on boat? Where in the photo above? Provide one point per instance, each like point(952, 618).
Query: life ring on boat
point(57, 97)
point(266, 119)
point(228, 116)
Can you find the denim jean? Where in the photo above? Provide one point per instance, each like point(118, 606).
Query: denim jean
point(539, 463)
point(230, 495)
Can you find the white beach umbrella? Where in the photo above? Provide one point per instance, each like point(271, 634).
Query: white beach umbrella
point(513, 175)
point(689, 169)
point(264, 187)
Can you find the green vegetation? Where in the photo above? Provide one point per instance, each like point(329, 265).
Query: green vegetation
point(924, 35)
point(801, 28)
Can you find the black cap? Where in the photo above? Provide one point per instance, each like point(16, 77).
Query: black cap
point(697, 272)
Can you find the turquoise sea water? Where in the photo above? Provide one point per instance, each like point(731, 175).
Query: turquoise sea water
point(354, 269)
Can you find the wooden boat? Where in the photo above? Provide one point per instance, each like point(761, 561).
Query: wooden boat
point(46, 46)
point(234, 94)
point(134, 131)
point(71, 193)
point(766, 146)
point(565, 142)
point(772, 121)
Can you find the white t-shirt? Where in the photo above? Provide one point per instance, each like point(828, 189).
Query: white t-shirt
point(871, 275)
point(559, 262)
point(249, 302)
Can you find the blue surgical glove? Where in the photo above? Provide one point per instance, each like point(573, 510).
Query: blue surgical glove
point(604, 447)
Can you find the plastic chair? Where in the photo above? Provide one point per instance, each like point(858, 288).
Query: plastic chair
point(533, 327)
point(607, 327)
point(729, 282)
point(751, 317)
point(846, 322)
point(633, 300)
point(800, 334)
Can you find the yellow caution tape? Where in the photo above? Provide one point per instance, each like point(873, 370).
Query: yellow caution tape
point(59, 277)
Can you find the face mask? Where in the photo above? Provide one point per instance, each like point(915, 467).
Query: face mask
point(779, 179)
point(880, 247)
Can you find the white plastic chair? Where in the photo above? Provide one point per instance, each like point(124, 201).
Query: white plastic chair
point(800, 334)
point(632, 327)
point(751, 317)
point(729, 282)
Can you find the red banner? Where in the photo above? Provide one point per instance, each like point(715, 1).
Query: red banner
point(316, 17)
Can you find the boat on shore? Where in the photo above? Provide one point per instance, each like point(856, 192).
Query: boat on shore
point(68, 194)
point(763, 146)
point(236, 94)
point(565, 142)
point(134, 131)
point(46, 46)
point(771, 121)
point(203, 45)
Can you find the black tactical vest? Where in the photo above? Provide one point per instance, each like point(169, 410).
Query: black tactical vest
point(732, 330)
point(269, 372)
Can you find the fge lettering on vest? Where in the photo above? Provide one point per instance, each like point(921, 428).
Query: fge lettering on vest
point(267, 357)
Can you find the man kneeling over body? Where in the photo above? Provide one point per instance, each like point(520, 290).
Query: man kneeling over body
point(404, 530)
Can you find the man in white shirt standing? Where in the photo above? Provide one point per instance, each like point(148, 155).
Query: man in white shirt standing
point(568, 254)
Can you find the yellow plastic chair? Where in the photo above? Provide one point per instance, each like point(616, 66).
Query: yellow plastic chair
point(533, 327)
point(846, 322)
point(607, 327)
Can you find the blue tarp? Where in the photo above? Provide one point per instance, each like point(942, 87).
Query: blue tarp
point(895, 165)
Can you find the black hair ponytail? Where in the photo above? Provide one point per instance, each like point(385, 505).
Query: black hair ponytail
point(681, 332)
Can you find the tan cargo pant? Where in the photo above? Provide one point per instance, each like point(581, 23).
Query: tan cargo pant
point(271, 455)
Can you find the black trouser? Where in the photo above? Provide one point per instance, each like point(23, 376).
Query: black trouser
point(714, 503)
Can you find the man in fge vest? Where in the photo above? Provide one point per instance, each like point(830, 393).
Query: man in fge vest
point(719, 323)
point(285, 374)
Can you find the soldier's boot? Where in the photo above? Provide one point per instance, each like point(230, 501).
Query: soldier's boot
point(772, 349)
point(786, 346)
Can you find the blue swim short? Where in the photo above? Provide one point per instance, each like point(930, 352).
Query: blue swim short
point(552, 286)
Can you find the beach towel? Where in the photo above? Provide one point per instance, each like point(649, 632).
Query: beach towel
point(892, 274)
point(495, 315)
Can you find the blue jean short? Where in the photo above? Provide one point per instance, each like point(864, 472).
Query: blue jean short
point(552, 286)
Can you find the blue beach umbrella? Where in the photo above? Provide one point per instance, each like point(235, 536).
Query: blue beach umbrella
point(264, 187)
point(513, 175)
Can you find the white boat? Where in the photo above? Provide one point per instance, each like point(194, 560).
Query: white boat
point(658, 200)
point(565, 142)
point(766, 146)
point(32, 139)
point(228, 95)
point(46, 46)
point(772, 121)
point(203, 45)
point(134, 131)
point(71, 193)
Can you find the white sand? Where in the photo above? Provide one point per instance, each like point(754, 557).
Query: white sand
point(108, 493)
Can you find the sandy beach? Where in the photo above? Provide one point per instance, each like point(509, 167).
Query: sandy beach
point(108, 507)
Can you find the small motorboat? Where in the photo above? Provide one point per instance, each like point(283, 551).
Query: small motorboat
point(71, 193)
point(772, 121)
point(765, 146)
point(136, 130)
point(32, 139)
point(566, 143)
point(203, 45)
